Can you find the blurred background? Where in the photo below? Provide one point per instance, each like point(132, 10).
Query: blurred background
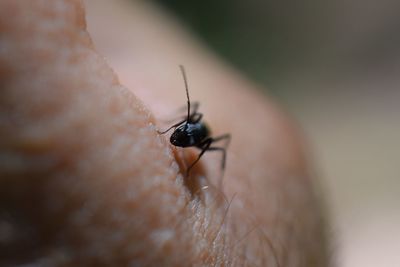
point(335, 65)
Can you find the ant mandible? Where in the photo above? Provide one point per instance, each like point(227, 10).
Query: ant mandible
point(192, 132)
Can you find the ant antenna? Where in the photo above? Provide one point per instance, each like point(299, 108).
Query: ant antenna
point(187, 90)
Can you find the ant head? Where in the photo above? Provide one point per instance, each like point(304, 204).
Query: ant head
point(181, 137)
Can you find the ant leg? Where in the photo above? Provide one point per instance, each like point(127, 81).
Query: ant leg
point(226, 137)
point(195, 117)
point(194, 107)
point(223, 162)
point(223, 150)
point(204, 147)
point(193, 113)
point(173, 126)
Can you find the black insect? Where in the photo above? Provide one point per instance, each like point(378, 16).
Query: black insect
point(192, 132)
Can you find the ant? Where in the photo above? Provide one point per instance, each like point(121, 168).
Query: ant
point(192, 132)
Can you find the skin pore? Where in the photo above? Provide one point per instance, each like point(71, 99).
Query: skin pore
point(86, 180)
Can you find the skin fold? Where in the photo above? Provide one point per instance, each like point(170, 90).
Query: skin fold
point(86, 180)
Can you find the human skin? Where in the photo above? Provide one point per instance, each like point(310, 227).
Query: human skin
point(86, 180)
